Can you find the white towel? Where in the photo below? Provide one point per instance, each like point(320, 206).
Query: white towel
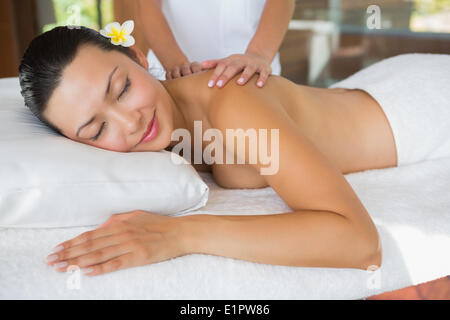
point(414, 92)
point(410, 206)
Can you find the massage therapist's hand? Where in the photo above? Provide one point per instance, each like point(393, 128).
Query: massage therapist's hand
point(228, 67)
point(182, 69)
point(125, 240)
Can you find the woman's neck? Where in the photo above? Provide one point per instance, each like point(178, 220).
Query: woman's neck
point(190, 99)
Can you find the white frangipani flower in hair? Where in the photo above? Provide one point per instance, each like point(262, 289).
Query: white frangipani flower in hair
point(119, 34)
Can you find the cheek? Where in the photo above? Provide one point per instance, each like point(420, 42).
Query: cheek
point(112, 139)
point(112, 144)
point(143, 92)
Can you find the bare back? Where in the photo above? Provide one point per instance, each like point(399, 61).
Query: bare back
point(347, 126)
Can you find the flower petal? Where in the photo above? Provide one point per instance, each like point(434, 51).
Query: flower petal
point(128, 26)
point(113, 41)
point(129, 41)
point(110, 26)
point(104, 33)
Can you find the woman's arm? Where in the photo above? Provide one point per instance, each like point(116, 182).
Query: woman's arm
point(303, 238)
point(272, 28)
point(158, 34)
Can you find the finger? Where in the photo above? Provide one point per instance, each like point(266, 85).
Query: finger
point(97, 257)
point(176, 72)
point(86, 236)
point(195, 67)
point(208, 64)
point(229, 73)
point(87, 247)
point(168, 75)
point(127, 260)
point(263, 75)
point(186, 69)
point(217, 72)
point(249, 71)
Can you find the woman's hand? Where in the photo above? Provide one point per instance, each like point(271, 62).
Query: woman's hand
point(183, 69)
point(228, 67)
point(125, 240)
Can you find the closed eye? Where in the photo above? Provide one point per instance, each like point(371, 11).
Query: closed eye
point(99, 133)
point(125, 89)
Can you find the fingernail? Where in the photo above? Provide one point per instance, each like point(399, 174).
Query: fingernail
point(51, 258)
point(61, 265)
point(210, 83)
point(219, 83)
point(241, 80)
point(58, 249)
point(260, 83)
point(87, 270)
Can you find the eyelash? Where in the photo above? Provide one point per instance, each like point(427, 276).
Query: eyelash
point(127, 85)
point(98, 134)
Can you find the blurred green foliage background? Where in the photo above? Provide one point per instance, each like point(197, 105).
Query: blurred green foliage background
point(83, 12)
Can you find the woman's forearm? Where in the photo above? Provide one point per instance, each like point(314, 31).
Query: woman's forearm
point(272, 28)
point(158, 34)
point(300, 238)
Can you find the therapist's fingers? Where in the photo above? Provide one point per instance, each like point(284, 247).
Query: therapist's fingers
point(263, 75)
point(176, 72)
point(208, 64)
point(196, 67)
point(249, 71)
point(231, 70)
point(221, 66)
point(186, 69)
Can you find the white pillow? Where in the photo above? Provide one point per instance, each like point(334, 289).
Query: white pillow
point(47, 180)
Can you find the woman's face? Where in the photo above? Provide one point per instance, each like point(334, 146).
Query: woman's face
point(107, 100)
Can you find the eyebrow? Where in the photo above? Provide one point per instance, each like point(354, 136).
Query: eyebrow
point(106, 93)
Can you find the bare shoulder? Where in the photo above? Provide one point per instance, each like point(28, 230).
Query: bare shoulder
point(242, 100)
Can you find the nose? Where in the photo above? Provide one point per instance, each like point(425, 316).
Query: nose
point(127, 119)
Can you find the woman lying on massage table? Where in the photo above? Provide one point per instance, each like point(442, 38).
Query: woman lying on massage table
point(102, 95)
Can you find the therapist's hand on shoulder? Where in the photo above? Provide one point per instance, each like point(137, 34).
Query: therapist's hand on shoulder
point(228, 67)
point(183, 69)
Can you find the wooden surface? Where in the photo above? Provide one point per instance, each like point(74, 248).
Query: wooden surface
point(9, 52)
point(18, 26)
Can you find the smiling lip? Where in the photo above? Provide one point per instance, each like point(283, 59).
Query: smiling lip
point(152, 130)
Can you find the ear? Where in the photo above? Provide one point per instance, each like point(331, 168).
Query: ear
point(140, 57)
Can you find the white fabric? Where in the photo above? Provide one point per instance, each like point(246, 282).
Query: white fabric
point(212, 29)
point(410, 206)
point(414, 92)
point(47, 180)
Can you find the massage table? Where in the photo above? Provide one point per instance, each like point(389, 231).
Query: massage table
point(410, 206)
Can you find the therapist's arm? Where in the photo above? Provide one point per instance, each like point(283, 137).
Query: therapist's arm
point(161, 39)
point(272, 28)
